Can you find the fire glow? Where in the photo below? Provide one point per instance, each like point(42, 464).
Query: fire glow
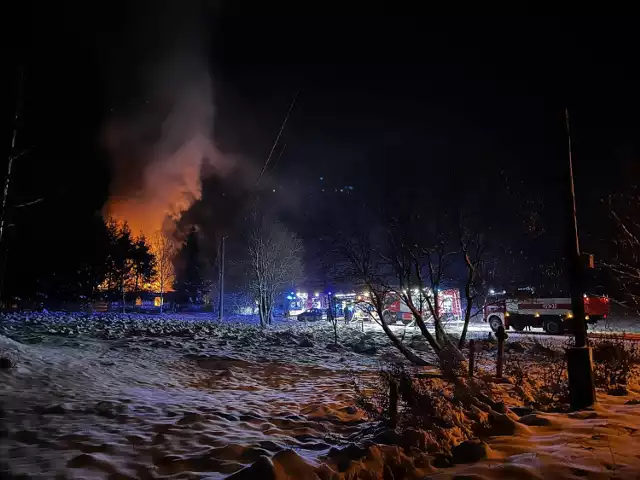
point(160, 150)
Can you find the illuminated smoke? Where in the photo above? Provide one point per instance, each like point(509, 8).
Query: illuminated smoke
point(158, 154)
point(160, 143)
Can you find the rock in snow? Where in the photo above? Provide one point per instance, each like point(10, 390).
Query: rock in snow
point(6, 363)
point(364, 346)
point(534, 420)
point(521, 411)
point(470, 451)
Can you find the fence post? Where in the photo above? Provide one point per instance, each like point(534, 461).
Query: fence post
point(501, 335)
point(393, 402)
point(472, 357)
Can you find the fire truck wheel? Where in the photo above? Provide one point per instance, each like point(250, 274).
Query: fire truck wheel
point(553, 327)
point(495, 323)
point(387, 318)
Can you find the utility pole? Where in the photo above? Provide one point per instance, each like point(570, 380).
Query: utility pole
point(579, 358)
point(221, 279)
point(253, 192)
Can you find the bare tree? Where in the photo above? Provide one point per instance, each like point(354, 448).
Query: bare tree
point(333, 318)
point(240, 303)
point(623, 262)
point(164, 250)
point(365, 267)
point(275, 261)
point(473, 249)
point(421, 252)
point(410, 262)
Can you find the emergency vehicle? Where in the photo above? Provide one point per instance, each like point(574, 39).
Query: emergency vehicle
point(449, 307)
point(396, 310)
point(552, 314)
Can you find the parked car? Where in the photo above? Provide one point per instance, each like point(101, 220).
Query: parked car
point(312, 315)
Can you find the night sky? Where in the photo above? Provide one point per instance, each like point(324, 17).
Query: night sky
point(476, 104)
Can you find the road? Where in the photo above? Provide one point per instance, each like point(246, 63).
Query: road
point(629, 326)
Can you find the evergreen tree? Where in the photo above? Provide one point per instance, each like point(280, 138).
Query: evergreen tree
point(144, 264)
point(190, 283)
point(93, 269)
point(120, 258)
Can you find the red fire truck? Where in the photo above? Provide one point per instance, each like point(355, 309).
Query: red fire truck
point(449, 306)
point(552, 314)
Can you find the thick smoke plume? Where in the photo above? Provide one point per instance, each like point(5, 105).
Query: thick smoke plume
point(161, 140)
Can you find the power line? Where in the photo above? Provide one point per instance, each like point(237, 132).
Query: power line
point(278, 159)
point(277, 140)
point(221, 247)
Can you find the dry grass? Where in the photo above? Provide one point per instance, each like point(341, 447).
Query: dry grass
point(442, 411)
point(616, 362)
point(540, 375)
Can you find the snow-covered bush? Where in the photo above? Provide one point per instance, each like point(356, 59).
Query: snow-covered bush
point(539, 376)
point(373, 398)
point(442, 412)
point(553, 390)
point(616, 361)
point(484, 358)
point(516, 369)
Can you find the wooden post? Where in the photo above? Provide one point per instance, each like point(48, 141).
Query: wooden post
point(393, 402)
point(582, 390)
point(501, 334)
point(472, 357)
point(221, 280)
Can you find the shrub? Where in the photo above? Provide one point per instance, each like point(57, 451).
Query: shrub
point(484, 358)
point(442, 411)
point(515, 368)
point(545, 347)
point(541, 381)
point(554, 386)
point(616, 361)
point(373, 399)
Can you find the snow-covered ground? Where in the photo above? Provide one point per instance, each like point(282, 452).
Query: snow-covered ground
point(114, 396)
point(147, 399)
point(601, 443)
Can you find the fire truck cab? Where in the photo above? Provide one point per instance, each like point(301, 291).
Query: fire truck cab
point(552, 314)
